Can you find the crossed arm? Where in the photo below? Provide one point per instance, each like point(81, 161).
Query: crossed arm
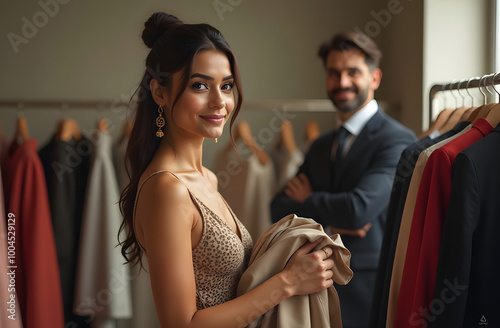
point(350, 209)
point(299, 188)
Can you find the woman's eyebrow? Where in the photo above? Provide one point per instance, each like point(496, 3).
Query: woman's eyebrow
point(206, 77)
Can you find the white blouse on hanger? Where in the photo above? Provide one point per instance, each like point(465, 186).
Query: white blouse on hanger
point(248, 189)
point(103, 283)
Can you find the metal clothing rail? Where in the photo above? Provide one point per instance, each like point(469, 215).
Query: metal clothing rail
point(292, 105)
point(60, 104)
point(475, 82)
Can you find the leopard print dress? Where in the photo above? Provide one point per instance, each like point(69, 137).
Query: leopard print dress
point(220, 257)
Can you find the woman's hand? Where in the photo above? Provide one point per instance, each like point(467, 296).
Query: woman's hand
point(309, 272)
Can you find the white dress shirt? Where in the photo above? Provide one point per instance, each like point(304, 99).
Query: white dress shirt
point(356, 123)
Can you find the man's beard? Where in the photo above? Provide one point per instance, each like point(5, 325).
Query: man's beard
point(347, 106)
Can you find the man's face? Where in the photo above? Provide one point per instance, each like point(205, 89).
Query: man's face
point(349, 82)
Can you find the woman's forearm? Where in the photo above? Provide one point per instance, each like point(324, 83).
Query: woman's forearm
point(241, 311)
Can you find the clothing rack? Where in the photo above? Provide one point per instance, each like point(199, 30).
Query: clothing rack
point(293, 105)
point(474, 82)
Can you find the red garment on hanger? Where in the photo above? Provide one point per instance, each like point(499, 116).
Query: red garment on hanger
point(36, 269)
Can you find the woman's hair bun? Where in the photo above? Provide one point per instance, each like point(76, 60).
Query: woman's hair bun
point(156, 25)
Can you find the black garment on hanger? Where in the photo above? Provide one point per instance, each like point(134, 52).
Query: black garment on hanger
point(467, 273)
point(66, 166)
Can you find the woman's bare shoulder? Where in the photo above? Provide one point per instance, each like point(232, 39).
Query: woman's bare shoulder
point(163, 195)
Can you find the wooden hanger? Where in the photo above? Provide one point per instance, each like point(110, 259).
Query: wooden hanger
point(474, 113)
point(68, 129)
point(493, 116)
point(102, 125)
point(465, 116)
point(286, 137)
point(438, 122)
point(453, 119)
point(244, 133)
point(482, 112)
point(457, 115)
point(492, 113)
point(21, 130)
point(312, 131)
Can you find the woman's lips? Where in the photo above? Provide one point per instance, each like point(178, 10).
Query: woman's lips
point(214, 119)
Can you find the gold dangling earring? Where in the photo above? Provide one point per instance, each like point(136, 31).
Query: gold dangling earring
point(160, 122)
point(215, 140)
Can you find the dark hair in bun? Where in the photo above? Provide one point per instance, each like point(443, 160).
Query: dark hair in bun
point(156, 26)
point(174, 46)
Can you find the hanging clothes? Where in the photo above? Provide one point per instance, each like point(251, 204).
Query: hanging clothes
point(404, 230)
point(37, 273)
point(248, 187)
point(286, 157)
point(66, 165)
point(431, 276)
point(286, 165)
point(467, 271)
point(417, 284)
point(102, 282)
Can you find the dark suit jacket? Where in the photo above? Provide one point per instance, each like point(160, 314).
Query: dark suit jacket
point(352, 193)
point(357, 191)
point(467, 275)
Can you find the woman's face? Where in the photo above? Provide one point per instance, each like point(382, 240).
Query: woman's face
point(208, 100)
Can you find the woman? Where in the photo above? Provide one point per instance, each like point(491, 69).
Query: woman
point(195, 246)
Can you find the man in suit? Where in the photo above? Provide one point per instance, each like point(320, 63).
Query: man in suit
point(346, 179)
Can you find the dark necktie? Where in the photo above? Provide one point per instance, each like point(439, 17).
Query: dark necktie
point(341, 136)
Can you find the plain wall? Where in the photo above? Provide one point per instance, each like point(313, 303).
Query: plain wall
point(403, 62)
point(458, 45)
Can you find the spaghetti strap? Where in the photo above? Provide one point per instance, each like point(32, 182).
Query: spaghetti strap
point(137, 197)
point(155, 173)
